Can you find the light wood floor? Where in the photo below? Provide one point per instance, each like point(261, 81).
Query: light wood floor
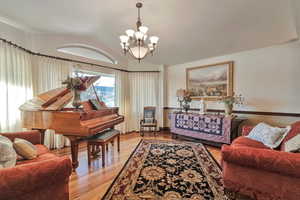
point(91, 183)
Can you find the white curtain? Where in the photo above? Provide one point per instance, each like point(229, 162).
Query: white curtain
point(15, 85)
point(122, 99)
point(49, 74)
point(143, 88)
point(23, 76)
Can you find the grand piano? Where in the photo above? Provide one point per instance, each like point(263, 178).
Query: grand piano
point(48, 111)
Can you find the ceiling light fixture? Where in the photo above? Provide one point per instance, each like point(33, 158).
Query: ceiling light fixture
point(135, 43)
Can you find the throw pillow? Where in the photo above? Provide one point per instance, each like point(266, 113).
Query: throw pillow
point(292, 145)
point(268, 135)
point(25, 148)
point(295, 130)
point(8, 155)
point(96, 104)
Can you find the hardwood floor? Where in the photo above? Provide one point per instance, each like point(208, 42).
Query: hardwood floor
point(91, 183)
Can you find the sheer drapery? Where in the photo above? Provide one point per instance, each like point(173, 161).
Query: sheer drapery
point(143, 88)
point(122, 99)
point(49, 74)
point(23, 76)
point(15, 85)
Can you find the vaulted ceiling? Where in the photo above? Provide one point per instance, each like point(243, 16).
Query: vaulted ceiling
point(189, 30)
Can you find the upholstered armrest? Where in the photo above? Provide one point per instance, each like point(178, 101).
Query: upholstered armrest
point(32, 136)
point(266, 159)
point(246, 130)
point(27, 178)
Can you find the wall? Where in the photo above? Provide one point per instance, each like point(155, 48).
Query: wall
point(48, 44)
point(268, 78)
point(15, 35)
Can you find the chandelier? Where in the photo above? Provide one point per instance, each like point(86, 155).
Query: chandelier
point(135, 42)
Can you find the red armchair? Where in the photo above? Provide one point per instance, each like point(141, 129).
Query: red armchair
point(43, 178)
point(250, 168)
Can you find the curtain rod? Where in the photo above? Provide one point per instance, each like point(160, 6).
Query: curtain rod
point(67, 59)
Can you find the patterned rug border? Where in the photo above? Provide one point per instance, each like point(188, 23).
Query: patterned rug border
point(152, 140)
point(125, 164)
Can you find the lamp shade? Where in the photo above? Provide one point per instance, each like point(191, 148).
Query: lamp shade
point(143, 29)
point(124, 38)
point(139, 35)
point(138, 52)
point(145, 37)
point(154, 39)
point(130, 32)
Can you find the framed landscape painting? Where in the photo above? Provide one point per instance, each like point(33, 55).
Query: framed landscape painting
point(210, 82)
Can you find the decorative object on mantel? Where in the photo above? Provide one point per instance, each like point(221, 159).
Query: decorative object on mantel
point(230, 100)
point(210, 128)
point(202, 107)
point(135, 41)
point(77, 85)
point(169, 170)
point(210, 82)
point(184, 99)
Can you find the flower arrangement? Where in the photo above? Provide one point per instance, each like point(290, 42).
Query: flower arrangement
point(229, 101)
point(75, 83)
point(184, 99)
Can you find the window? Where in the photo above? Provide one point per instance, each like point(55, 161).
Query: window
point(87, 51)
point(104, 87)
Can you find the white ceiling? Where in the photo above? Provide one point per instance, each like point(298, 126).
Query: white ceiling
point(87, 52)
point(189, 30)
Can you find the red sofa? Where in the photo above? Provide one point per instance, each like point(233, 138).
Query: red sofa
point(250, 168)
point(43, 178)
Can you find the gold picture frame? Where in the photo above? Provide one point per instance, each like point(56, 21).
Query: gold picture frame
point(210, 82)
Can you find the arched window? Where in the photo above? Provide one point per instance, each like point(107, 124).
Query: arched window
point(87, 51)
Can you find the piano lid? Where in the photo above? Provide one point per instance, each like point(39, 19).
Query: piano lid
point(56, 99)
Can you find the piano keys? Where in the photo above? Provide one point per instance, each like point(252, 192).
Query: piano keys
point(48, 111)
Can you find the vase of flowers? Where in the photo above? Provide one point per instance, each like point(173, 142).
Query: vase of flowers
point(76, 85)
point(184, 99)
point(229, 101)
point(76, 101)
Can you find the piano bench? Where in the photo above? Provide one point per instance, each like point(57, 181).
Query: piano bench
point(102, 139)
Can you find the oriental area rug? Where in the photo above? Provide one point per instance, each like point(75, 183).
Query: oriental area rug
point(168, 170)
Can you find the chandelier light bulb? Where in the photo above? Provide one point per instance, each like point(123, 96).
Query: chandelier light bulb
point(124, 38)
point(151, 47)
point(154, 39)
point(143, 29)
point(145, 37)
point(130, 33)
point(139, 35)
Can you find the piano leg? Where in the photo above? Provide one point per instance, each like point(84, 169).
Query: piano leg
point(74, 151)
point(42, 131)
